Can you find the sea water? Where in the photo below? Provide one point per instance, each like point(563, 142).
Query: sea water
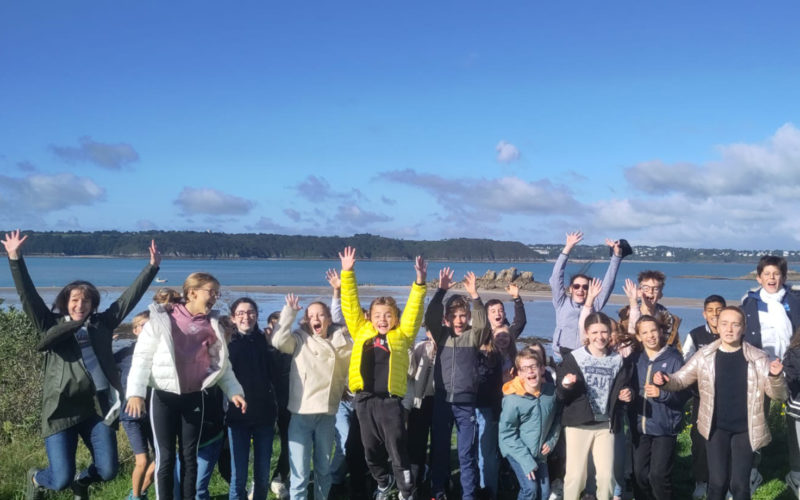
point(390, 277)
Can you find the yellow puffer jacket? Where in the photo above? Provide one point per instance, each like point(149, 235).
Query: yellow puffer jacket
point(400, 339)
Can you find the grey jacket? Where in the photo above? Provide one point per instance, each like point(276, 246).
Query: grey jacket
point(567, 333)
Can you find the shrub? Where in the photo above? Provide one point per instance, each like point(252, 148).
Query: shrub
point(20, 374)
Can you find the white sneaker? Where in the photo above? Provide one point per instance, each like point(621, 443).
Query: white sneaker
point(279, 489)
point(700, 490)
point(755, 480)
point(556, 490)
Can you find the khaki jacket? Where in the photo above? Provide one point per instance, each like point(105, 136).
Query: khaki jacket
point(700, 369)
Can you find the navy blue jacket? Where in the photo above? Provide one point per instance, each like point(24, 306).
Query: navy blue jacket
point(255, 366)
point(661, 416)
point(752, 303)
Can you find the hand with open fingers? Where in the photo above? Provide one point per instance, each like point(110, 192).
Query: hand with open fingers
point(471, 284)
point(239, 402)
point(569, 380)
point(595, 287)
point(631, 290)
point(421, 268)
point(625, 395)
point(776, 367)
point(572, 240)
point(615, 245)
point(348, 258)
point(445, 278)
point(513, 290)
point(651, 391)
point(660, 378)
point(135, 407)
point(155, 255)
point(332, 276)
point(293, 301)
point(546, 449)
point(12, 243)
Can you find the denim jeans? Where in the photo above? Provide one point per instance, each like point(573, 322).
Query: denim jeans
point(100, 439)
point(207, 457)
point(240, 436)
point(531, 489)
point(309, 433)
point(463, 415)
point(488, 455)
point(342, 429)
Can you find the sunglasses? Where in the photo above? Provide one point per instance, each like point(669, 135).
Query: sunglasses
point(578, 287)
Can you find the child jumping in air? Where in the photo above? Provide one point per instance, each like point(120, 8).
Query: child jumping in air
point(733, 378)
point(378, 371)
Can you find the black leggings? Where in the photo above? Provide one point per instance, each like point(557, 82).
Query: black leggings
point(176, 416)
point(730, 458)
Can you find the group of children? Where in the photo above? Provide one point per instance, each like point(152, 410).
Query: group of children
point(349, 390)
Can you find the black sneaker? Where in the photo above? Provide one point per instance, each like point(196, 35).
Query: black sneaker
point(32, 490)
point(80, 489)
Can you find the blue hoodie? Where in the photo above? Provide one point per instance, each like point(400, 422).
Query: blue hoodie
point(663, 415)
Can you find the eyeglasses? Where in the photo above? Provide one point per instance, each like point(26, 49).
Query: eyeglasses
point(211, 291)
point(242, 314)
point(576, 286)
point(648, 288)
point(528, 368)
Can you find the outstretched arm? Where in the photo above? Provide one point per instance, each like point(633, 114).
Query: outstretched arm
point(480, 324)
point(282, 338)
point(351, 306)
point(32, 303)
point(611, 276)
point(113, 316)
point(411, 318)
point(520, 318)
point(435, 312)
point(336, 301)
point(557, 277)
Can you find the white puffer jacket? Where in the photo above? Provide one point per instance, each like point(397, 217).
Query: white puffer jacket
point(318, 375)
point(153, 360)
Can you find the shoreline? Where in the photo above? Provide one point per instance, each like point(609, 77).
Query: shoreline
point(376, 290)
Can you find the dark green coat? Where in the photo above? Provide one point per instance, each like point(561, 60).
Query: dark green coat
point(69, 394)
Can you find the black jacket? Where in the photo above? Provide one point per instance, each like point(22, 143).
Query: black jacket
point(577, 409)
point(254, 365)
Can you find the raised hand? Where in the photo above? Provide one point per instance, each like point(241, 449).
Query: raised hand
point(332, 276)
point(631, 291)
point(12, 242)
point(615, 245)
point(240, 403)
point(776, 367)
point(471, 284)
point(155, 255)
point(595, 286)
point(421, 267)
point(660, 378)
point(348, 258)
point(513, 290)
point(293, 301)
point(572, 240)
point(445, 278)
point(625, 395)
point(569, 380)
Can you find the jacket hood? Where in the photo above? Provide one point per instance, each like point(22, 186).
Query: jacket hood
point(517, 386)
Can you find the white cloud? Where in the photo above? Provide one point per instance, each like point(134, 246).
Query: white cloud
point(506, 152)
point(211, 201)
point(354, 216)
point(110, 156)
point(43, 193)
point(314, 189)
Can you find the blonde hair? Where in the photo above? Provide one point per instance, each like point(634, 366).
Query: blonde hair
point(140, 319)
point(165, 296)
point(198, 280)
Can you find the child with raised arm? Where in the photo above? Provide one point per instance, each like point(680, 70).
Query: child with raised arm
point(649, 291)
point(82, 387)
point(456, 380)
point(568, 300)
point(733, 378)
point(320, 352)
point(529, 425)
point(378, 369)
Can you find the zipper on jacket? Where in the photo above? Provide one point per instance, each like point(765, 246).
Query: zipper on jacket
point(644, 399)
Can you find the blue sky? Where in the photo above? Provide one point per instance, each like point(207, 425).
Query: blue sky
point(671, 123)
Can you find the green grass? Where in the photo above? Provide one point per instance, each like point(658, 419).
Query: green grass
point(20, 451)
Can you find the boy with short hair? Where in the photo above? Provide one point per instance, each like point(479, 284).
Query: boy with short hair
point(650, 291)
point(529, 424)
point(456, 380)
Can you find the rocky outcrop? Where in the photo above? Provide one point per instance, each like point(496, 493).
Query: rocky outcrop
point(494, 280)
